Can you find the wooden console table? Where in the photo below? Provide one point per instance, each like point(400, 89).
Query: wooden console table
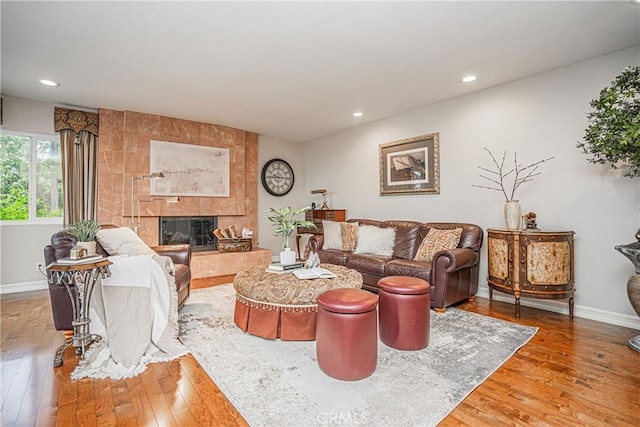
point(531, 263)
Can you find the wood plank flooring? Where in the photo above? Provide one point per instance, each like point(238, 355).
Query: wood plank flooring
point(578, 372)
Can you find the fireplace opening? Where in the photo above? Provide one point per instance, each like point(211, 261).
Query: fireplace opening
point(196, 231)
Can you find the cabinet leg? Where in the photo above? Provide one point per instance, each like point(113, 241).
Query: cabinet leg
point(571, 308)
point(517, 307)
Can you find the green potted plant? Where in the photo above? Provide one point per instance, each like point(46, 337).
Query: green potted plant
point(285, 224)
point(613, 138)
point(85, 231)
point(613, 134)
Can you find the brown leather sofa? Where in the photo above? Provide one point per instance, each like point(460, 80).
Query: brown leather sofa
point(453, 274)
point(61, 244)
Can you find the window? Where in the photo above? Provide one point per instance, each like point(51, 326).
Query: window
point(31, 180)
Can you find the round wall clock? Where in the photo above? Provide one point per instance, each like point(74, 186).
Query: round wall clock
point(277, 177)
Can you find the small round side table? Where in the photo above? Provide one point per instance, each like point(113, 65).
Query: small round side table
point(79, 280)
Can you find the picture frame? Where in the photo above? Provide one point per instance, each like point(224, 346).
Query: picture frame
point(189, 170)
point(410, 166)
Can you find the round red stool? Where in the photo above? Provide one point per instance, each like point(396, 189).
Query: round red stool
point(347, 333)
point(404, 312)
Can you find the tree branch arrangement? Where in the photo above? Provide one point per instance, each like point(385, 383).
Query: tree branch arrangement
point(520, 173)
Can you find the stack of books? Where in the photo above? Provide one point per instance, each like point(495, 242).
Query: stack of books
point(278, 267)
point(85, 260)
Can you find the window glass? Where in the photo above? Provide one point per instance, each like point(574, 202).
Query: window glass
point(31, 177)
point(14, 156)
point(48, 179)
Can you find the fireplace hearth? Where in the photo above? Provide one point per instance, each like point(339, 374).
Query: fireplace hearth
point(196, 231)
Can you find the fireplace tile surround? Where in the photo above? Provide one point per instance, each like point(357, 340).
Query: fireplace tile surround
point(123, 152)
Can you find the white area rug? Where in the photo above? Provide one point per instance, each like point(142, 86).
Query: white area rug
point(279, 383)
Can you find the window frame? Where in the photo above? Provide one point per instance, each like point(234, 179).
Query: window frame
point(33, 170)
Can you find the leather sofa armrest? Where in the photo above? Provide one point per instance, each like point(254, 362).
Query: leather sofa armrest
point(458, 258)
point(49, 255)
point(315, 242)
point(180, 254)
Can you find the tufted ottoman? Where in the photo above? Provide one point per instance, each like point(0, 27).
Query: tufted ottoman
point(404, 312)
point(279, 305)
point(347, 333)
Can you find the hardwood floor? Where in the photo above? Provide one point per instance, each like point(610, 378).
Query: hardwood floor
point(578, 372)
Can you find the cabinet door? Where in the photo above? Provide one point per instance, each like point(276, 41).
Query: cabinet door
point(546, 263)
point(500, 259)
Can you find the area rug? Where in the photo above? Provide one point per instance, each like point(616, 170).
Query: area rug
point(279, 382)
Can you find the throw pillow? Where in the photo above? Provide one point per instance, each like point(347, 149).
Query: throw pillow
point(122, 241)
point(375, 240)
point(332, 235)
point(349, 232)
point(437, 240)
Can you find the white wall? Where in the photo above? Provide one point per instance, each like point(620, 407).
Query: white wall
point(21, 245)
point(538, 117)
point(291, 152)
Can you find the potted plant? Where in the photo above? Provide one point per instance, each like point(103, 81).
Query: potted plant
point(285, 224)
point(85, 231)
point(613, 138)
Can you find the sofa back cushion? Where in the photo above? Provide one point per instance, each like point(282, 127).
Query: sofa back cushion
point(471, 237)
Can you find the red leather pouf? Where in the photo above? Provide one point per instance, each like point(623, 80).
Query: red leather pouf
point(404, 312)
point(347, 333)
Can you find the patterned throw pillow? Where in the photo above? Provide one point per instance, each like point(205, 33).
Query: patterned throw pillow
point(436, 241)
point(349, 235)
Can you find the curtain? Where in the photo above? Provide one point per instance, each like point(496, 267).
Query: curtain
point(79, 154)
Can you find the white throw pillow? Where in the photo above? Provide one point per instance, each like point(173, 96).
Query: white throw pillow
point(122, 241)
point(332, 235)
point(375, 240)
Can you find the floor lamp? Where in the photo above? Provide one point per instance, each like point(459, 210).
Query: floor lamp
point(154, 175)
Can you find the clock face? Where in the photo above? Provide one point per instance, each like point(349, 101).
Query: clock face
point(277, 177)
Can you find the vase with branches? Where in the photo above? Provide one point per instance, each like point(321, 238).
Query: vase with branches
point(507, 180)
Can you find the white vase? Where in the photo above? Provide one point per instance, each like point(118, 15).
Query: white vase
point(89, 246)
point(512, 214)
point(287, 256)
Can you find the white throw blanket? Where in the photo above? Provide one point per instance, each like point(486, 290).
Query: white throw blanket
point(135, 310)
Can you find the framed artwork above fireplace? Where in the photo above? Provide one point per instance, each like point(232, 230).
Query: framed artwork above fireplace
point(189, 170)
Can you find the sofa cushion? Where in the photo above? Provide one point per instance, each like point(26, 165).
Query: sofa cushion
point(122, 241)
point(375, 240)
point(437, 240)
point(333, 256)
point(332, 235)
point(339, 235)
point(369, 264)
point(406, 267)
point(407, 233)
point(349, 233)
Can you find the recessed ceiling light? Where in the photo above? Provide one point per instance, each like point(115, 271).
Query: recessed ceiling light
point(358, 114)
point(49, 83)
point(469, 79)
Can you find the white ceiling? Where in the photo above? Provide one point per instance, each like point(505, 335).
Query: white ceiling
point(293, 70)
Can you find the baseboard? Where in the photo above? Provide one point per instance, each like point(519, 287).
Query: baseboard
point(562, 307)
point(11, 288)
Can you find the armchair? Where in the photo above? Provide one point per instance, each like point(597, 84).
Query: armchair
point(60, 247)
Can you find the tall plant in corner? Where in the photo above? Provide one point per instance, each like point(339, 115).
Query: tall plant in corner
point(613, 134)
point(613, 138)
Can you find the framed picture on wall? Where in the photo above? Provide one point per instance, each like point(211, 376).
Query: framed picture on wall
point(410, 166)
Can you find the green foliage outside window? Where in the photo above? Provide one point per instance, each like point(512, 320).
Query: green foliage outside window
point(14, 179)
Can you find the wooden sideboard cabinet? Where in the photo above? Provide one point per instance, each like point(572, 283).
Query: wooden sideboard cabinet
point(531, 263)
